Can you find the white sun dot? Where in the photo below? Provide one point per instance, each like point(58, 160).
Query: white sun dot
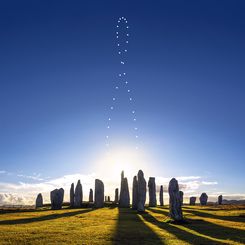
point(116, 87)
point(118, 44)
point(126, 82)
point(117, 32)
point(113, 98)
point(117, 36)
point(127, 35)
point(126, 50)
point(135, 128)
point(136, 136)
point(128, 90)
point(130, 98)
point(109, 119)
point(133, 112)
point(134, 119)
point(107, 136)
point(108, 126)
point(118, 26)
point(120, 75)
point(119, 52)
point(127, 27)
point(126, 41)
point(112, 107)
point(124, 73)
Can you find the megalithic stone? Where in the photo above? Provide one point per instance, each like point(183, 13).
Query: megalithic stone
point(39, 201)
point(99, 194)
point(56, 197)
point(175, 210)
point(124, 201)
point(203, 198)
point(161, 196)
point(141, 191)
point(91, 195)
point(116, 196)
point(181, 193)
point(220, 199)
point(135, 194)
point(152, 192)
point(193, 200)
point(72, 195)
point(78, 198)
point(108, 199)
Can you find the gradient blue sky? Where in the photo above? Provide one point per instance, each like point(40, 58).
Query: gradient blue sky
point(186, 67)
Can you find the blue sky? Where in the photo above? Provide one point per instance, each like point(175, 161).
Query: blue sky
point(186, 71)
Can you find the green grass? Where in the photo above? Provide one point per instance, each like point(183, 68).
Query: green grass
point(110, 225)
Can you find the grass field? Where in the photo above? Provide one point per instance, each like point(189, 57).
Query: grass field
point(110, 225)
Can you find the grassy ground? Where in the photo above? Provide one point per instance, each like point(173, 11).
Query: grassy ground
point(110, 225)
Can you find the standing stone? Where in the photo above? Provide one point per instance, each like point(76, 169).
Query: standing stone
point(220, 199)
point(135, 193)
point(108, 199)
point(78, 198)
point(99, 194)
point(181, 193)
point(161, 195)
point(72, 195)
point(152, 192)
point(124, 201)
point(175, 210)
point(56, 197)
point(141, 191)
point(203, 199)
point(91, 195)
point(116, 196)
point(39, 201)
point(193, 200)
point(105, 198)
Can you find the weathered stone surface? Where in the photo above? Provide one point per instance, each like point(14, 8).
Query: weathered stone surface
point(141, 191)
point(124, 201)
point(116, 196)
point(161, 196)
point(39, 201)
point(193, 200)
point(72, 195)
point(91, 195)
point(99, 194)
point(78, 197)
point(220, 199)
point(56, 197)
point(135, 194)
point(203, 199)
point(175, 210)
point(181, 193)
point(152, 192)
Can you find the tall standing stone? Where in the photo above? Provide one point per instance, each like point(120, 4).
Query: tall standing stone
point(161, 195)
point(181, 193)
point(152, 192)
point(91, 195)
point(72, 195)
point(116, 196)
point(220, 199)
point(78, 197)
point(203, 199)
point(175, 210)
point(39, 201)
point(56, 197)
point(99, 194)
point(141, 191)
point(135, 194)
point(124, 201)
point(193, 200)
point(108, 198)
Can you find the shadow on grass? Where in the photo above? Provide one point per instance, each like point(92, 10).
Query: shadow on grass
point(130, 229)
point(44, 217)
point(182, 235)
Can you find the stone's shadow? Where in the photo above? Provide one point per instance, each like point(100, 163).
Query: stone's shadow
point(43, 218)
point(130, 229)
point(182, 235)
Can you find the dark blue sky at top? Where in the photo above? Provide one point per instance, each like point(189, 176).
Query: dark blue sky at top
point(186, 67)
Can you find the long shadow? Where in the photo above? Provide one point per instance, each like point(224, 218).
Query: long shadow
point(130, 229)
point(215, 216)
point(179, 233)
point(44, 218)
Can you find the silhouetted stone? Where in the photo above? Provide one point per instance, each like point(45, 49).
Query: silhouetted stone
point(181, 193)
point(91, 195)
point(78, 197)
point(99, 194)
point(141, 191)
point(203, 199)
point(56, 197)
point(220, 199)
point(116, 196)
point(72, 194)
point(161, 196)
point(135, 194)
point(108, 199)
point(124, 201)
point(175, 210)
point(193, 200)
point(152, 192)
point(39, 201)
